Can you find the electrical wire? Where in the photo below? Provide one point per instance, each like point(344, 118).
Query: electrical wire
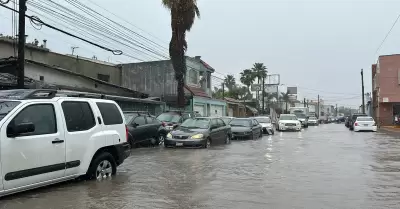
point(383, 41)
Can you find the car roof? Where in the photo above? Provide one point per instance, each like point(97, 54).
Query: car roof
point(242, 118)
point(364, 117)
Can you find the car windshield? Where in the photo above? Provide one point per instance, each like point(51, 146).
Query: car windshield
point(129, 117)
point(288, 117)
point(301, 115)
point(201, 123)
point(6, 107)
point(240, 122)
point(168, 117)
point(227, 120)
point(365, 119)
point(263, 120)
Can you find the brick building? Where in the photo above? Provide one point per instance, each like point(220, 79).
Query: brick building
point(386, 89)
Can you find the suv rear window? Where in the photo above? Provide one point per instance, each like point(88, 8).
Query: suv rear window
point(78, 116)
point(110, 113)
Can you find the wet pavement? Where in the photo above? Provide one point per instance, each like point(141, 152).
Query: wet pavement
point(322, 167)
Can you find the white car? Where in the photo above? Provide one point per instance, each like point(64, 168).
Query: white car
point(313, 121)
point(289, 122)
point(266, 124)
point(45, 139)
point(364, 123)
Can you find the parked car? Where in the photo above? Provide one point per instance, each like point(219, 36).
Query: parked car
point(144, 129)
point(199, 132)
point(346, 122)
point(303, 118)
point(245, 128)
point(289, 122)
point(46, 139)
point(173, 119)
point(266, 124)
point(313, 121)
point(353, 118)
point(227, 120)
point(363, 123)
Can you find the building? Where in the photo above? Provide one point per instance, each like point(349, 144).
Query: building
point(235, 108)
point(386, 89)
point(157, 79)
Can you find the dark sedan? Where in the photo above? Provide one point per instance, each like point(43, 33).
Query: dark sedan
point(245, 128)
point(199, 132)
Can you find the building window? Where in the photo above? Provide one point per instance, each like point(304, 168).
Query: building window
point(103, 77)
point(41, 78)
point(193, 77)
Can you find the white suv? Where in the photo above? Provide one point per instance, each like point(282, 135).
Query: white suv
point(45, 139)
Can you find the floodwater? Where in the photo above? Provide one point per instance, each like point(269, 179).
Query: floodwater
point(322, 167)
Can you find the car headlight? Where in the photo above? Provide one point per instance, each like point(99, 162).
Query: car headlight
point(298, 124)
point(281, 124)
point(169, 135)
point(197, 136)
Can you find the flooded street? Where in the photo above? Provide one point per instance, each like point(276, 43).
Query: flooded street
point(322, 167)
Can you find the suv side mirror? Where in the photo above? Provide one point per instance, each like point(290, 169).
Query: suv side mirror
point(17, 130)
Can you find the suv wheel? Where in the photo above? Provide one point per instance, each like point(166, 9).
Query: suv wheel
point(102, 166)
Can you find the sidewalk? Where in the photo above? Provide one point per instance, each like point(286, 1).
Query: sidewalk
point(390, 129)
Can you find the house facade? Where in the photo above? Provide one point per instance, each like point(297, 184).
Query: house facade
point(386, 89)
point(157, 79)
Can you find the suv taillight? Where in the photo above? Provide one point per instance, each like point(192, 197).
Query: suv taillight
point(127, 133)
point(355, 124)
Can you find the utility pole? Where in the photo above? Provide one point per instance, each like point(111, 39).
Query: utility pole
point(223, 91)
point(336, 111)
point(262, 94)
point(318, 107)
point(362, 89)
point(304, 102)
point(21, 45)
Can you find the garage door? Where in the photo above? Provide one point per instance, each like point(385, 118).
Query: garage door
point(199, 109)
point(216, 110)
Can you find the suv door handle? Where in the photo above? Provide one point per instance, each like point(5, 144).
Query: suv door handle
point(57, 141)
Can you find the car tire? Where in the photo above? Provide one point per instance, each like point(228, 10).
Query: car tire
point(207, 144)
point(103, 164)
point(228, 139)
point(252, 136)
point(261, 134)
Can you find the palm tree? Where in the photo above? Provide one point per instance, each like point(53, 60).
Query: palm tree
point(230, 82)
point(183, 14)
point(247, 78)
point(260, 72)
point(285, 98)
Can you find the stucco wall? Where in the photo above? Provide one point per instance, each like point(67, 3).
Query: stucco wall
point(83, 66)
point(388, 70)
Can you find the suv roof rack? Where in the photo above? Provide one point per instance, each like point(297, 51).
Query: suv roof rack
point(138, 112)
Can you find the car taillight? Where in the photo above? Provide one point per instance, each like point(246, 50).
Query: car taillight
point(163, 124)
point(127, 133)
point(355, 124)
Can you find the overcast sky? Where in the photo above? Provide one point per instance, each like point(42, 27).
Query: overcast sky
point(319, 46)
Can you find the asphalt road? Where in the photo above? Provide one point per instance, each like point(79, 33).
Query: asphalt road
point(322, 167)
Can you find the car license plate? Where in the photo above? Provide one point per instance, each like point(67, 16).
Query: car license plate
point(365, 124)
point(179, 144)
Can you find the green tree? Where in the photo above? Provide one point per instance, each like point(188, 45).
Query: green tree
point(230, 82)
point(285, 98)
point(259, 72)
point(247, 78)
point(183, 14)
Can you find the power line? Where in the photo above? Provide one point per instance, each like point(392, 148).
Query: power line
point(383, 41)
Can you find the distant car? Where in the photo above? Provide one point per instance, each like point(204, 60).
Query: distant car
point(353, 118)
point(313, 121)
point(303, 118)
point(227, 120)
point(199, 132)
point(245, 128)
point(288, 122)
point(173, 119)
point(365, 124)
point(346, 122)
point(144, 129)
point(266, 124)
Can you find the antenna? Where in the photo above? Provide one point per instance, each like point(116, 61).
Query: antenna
point(73, 49)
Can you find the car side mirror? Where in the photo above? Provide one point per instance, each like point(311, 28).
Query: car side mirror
point(135, 125)
point(20, 129)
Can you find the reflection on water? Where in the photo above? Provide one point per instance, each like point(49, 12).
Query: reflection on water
point(321, 167)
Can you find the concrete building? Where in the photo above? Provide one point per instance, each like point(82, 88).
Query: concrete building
point(93, 68)
point(158, 80)
point(386, 89)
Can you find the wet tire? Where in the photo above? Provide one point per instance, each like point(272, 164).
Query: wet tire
point(261, 134)
point(227, 139)
point(208, 144)
point(98, 161)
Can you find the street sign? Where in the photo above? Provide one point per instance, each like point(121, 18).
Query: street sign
point(271, 88)
point(255, 87)
point(273, 79)
point(292, 90)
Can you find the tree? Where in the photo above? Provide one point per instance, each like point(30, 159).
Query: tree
point(247, 78)
point(183, 14)
point(230, 82)
point(259, 72)
point(285, 98)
